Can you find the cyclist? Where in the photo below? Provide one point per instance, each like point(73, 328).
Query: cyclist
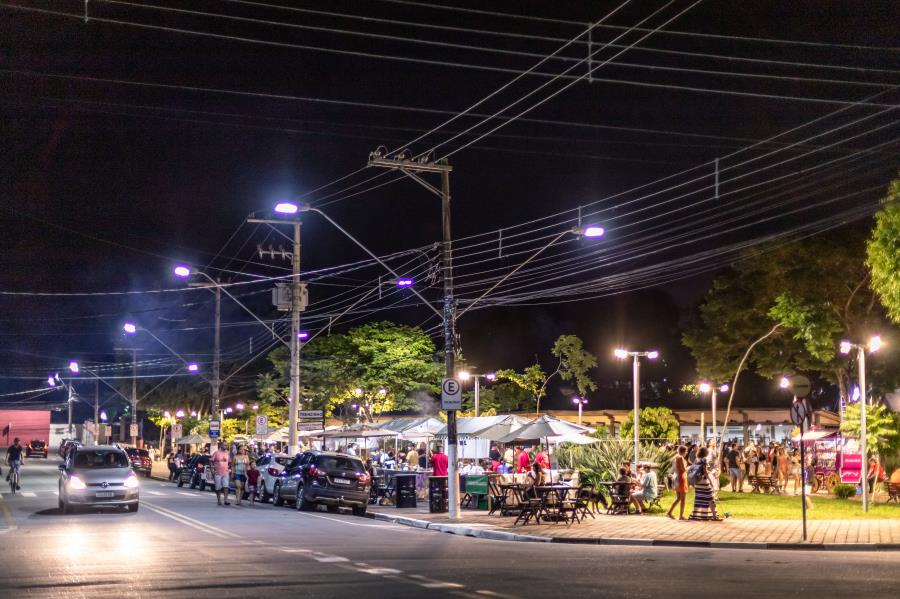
point(14, 458)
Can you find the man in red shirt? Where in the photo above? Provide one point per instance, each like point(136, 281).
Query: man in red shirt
point(542, 458)
point(439, 462)
point(524, 464)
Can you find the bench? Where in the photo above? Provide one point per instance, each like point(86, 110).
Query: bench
point(660, 489)
point(893, 490)
point(764, 484)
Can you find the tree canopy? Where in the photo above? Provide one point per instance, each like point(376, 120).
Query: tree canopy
point(656, 423)
point(883, 253)
point(882, 427)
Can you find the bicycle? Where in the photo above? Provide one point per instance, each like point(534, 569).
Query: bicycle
point(13, 479)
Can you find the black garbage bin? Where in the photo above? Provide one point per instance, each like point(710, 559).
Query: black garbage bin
point(437, 494)
point(405, 490)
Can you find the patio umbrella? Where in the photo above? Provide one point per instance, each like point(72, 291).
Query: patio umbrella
point(193, 439)
point(541, 428)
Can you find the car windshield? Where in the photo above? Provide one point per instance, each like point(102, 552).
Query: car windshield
point(284, 461)
point(100, 459)
point(327, 462)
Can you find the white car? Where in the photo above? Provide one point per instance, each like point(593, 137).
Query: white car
point(270, 467)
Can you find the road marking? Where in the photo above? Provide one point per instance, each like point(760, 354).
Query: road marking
point(329, 559)
point(154, 493)
point(380, 571)
point(7, 516)
point(186, 494)
point(29, 494)
point(191, 522)
point(384, 526)
point(486, 593)
point(293, 550)
point(430, 583)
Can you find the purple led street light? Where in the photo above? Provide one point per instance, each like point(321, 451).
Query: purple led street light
point(193, 367)
point(405, 282)
point(182, 271)
point(130, 328)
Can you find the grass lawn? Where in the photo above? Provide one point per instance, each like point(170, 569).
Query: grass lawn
point(756, 506)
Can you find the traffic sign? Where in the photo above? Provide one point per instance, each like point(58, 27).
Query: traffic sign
point(177, 431)
point(798, 412)
point(214, 429)
point(800, 385)
point(133, 430)
point(310, 414)
point(262, 424)
point(309, 426)
point(451, 394)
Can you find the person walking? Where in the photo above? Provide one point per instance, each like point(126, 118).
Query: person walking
point(795, 471)
point(252, 482)
point(221, 464)
point(680, 484)
point(732, 457)
point(239, 468)
point(704, 498)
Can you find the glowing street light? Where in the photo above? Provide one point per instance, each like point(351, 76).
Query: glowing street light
point(784, 383)
point(182, 271)
point(465, 375)
point(166, 414)
point(405, 282)
point(287, 208)
point(580, 402)
point(51, 381)
point(712, 389)
point(130, 328)
point(229, 410)
point(179, 414)
point(382, 392)
point(302, 335)
point(593, 231)
point(491, 376)
point(103, 415)
point(239, 406)
point(193, 367)
point(636, 355)
point(73, 366)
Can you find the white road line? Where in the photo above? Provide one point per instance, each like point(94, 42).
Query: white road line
point(29, 494)
point(185, 493)
point(157, 493)
point(184, 521)
point(330, 559)
point(380, 571)
point(382, 526)
point(292, 550)
point(196, 523)
point(430, 583)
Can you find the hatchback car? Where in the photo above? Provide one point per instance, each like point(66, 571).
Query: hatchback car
point(332, 479)
point(98, 476)
point(140, 460)
point(36, 448)
point(270, 466)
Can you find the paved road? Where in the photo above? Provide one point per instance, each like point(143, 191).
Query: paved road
point(180, 544)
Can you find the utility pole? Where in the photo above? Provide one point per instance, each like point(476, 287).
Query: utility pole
point(297, 306)
point(134, 400)
point(71, 400)
point(97, 405)
point(412, 168)
point(217, 337)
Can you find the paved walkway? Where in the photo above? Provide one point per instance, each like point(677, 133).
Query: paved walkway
point(661, 529)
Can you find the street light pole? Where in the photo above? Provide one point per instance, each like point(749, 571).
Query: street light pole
point(296, 308)
point(861, 361)
point(636, 382)
point(217, 341)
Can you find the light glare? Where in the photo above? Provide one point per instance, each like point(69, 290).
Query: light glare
point(405, 282)
point(73, 366)
point(846, 346)
point(784, 383)
point(464, 375)
point(705, 387)
point(653, 355)
point(593, 231)
point(182, 271)
point(874, 344)
point(193, 367)
point(129, 327)
point(621, 353)
point(286, 208)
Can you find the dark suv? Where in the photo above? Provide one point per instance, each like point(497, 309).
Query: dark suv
point(196, 473)
point(333, 479)
point(140, 460)
point(36, 448)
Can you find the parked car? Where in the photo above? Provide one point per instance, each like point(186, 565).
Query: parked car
point(270, 467)
point(98, 476)
point(140, 460)
point(66, 446)
point(197, 473)
point(332, 479)
point(36, 448)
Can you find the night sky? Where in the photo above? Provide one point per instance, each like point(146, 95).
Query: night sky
point(127, 149)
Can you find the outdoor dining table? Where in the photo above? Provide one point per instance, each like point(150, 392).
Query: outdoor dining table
point(552, 497)
point(513, 493)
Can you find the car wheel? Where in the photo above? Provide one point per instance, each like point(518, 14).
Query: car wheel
point(66, 508)
point(332, 509)
point(134, 507)
point(264, 496)
point(180, 482)
point(277, 498)
point(193, 484)
point(302, 503)
point(59, 499)
point(359, 511)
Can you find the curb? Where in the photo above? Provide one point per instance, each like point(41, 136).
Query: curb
point(500, 535)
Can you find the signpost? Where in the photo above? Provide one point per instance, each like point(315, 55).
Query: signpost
point(133, 430)
point(308, 426)
point(214, 429)
point(311, 420)
point(176, 431)
point(800, 386)
point(262, 424)
point(451, 394)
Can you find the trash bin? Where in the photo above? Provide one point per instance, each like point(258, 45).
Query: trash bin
point(405, 490)
point(437, 494)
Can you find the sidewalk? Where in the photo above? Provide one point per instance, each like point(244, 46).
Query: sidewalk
point(653, 530)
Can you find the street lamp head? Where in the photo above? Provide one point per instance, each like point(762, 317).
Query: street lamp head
point(287, 208)
point(846, 346)
point(358, 391)
point(784, 383)
point(239, 406)
point(724, 388)
point(179, 414)
point(193, 367)
point(166, 414)
point(382, 392)
point(491, 376)
point(51, 381)
point(73, 366)
point(593, 231)
point(874, 344)
point(193, 413)
point(652, 355)
point(302, 335)
point(354, 406)
point(621, 353)
point(705, 388)
point(130, 328)
point(255, 406)
point(405, 282)
point(464, 375)
point(103, 415)
point(182, 271)
point(229, 410)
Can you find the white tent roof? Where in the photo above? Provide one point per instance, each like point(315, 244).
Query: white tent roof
point(482, 425)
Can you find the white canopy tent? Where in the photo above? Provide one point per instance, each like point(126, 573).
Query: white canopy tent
point(477, 433)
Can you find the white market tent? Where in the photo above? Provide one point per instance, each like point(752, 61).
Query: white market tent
point(477, 433)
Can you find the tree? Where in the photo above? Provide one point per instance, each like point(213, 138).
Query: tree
point(816, 288)
point(882, 427)
point(532, 381)
point(393, 366)
point(574, 363)
point(656, 423)
point(883, 252)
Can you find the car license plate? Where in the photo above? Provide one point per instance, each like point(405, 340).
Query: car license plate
point(342, 481)
point(105, 493)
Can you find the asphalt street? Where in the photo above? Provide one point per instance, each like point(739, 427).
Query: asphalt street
point(181, 544)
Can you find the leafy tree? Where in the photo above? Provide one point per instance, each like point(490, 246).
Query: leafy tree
point(391, 365)
point(656, 423)
point(532, 381)
point(883, 252)
point(815, 288)
point(882, 427)
point(574, 363)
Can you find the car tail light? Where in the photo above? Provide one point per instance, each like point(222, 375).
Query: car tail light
point(364, 477)
point(315, 472)
point(272, 471)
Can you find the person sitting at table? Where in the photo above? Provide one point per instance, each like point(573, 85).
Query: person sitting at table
point(536, 475)
point(647, 490)
point(541, 457)
point(508, 456)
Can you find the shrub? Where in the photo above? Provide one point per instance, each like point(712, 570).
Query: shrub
point(601, 461)
point(843, 491)
point(723, 480)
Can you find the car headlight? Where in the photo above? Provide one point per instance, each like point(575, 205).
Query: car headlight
point(131, 482)
point(77, 484)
